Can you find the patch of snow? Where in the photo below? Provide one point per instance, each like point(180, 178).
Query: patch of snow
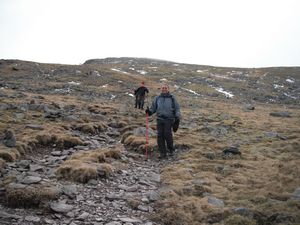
point(143, 72)
point(200, 71)
point(221, 90)
point(290, 80)
point(105, 85)
point(176, 86)
point(77, 71)
point(287, 95)
point(95, 72)
point(131, 95)
point(163, 79)
point(175, 64)
point(224, 77)
point(191, 91)
point(2, 88)
point(62, 91)
point(131, 68)
point(119, 81)
point(152, 67)
point(277, 86)
point(120, 71)
point(74, 83)
point(112, 97)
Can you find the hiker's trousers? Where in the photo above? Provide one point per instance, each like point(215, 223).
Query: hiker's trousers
point(164, 135)
point(139, 102)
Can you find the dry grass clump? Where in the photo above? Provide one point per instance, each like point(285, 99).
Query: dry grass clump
point(90, 128)
point(9, 154)
point(79, 171)
point(60, 141)
point(101, 109)
point(239, 220)
point(138, 143)
point(29, 196)
point(83, 166)
point(189, 211)
point(2, 163)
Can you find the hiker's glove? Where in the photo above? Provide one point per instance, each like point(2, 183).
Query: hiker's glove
point(176, 124)
point(147, 111)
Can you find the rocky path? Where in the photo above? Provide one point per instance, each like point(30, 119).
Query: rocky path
point(126, 197)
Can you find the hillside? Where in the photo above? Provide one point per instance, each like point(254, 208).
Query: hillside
point(73, 145)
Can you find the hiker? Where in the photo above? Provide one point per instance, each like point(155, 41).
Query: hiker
point(168, 114)
point(140, 95)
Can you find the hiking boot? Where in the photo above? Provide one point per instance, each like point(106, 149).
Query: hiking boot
point(162, 156)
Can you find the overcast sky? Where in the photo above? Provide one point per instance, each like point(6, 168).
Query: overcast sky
point(239, 33)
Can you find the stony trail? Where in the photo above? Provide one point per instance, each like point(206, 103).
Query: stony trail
point(126, 197)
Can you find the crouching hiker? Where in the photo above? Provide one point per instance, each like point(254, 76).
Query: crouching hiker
point(168, 113)
point(140, 95)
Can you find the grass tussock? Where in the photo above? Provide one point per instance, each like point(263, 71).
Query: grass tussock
point(101, 109)
point(91, 128)
point(61, 141)
point(30, 196)
point(239, 220)
point(188, 210)
point(2, 163)
point(83, 166)
point(79, 171)
point(9, 154)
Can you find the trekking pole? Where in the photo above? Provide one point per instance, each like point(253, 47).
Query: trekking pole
point(147, 135)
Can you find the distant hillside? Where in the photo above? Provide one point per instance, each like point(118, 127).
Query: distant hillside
point(266, 85)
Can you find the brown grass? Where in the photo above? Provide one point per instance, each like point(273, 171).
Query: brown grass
point(268, 169)
point(2, 163)
point(83, 166)
point(30, 196)
point(9, 154)
point(61, 141)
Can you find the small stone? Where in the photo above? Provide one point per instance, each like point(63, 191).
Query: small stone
point(33, 219)
point(143, 208)
point(34, 168)
point(130, 220)
point(153, 196)
point(31, 180)
point(70, 190)
point(215, 201)
point(61, 207)
point(83, 216)
point(56, 153)
point(296, 194)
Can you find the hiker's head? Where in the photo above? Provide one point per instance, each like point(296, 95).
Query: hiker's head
point(164, 88)
point(142, 83)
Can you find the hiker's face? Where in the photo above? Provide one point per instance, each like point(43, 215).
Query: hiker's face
point(164, 89)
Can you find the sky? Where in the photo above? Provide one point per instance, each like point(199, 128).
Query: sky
point(231, 33)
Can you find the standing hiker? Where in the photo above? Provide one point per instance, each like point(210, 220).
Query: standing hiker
point(168, 116)
point(140, 95)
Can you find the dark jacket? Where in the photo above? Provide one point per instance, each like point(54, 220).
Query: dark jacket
point(166, 107)
point(141, 91)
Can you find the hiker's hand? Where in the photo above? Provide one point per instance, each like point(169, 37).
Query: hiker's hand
point(147, 111)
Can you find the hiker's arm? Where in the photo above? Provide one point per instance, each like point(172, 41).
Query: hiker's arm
point(177, 109)
point(153, 106)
